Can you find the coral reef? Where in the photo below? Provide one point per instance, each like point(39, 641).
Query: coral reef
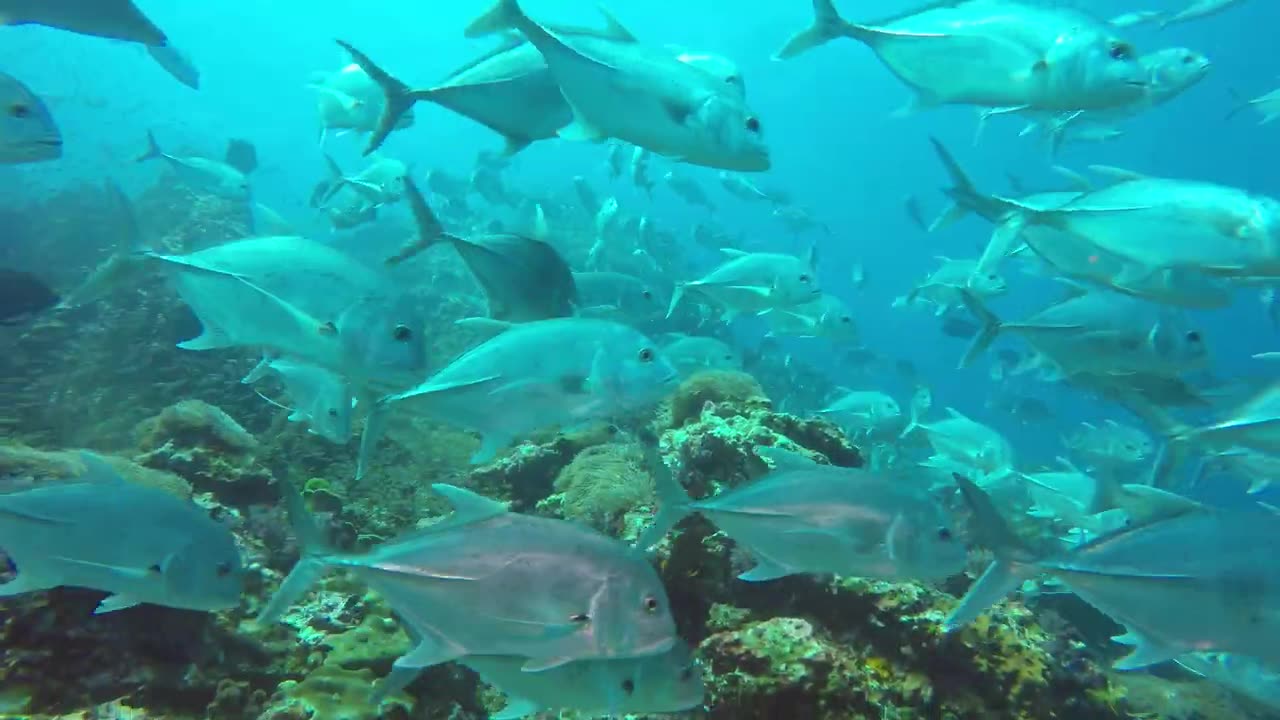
point(203, 444)
point(600, 484)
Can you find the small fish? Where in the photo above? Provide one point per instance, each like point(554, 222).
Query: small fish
point(965, 445)
point(1137, 17)
point(689, 354)
point(114, 19)
point(320, 398)
point(141, 544)
point(1185, 578)
point(688, 190)
point(1267, 105)
point(1109, 444)
point(808, 518)
point(828, 317)
point(380, 183)
point(607, 293)
point(744, 189)
point(23, 296)
point(28, 132)
point(1199, 9)
point(213, 176)
point(755, 282)
point(486, 581)
point(864, 411)
point(587, 198)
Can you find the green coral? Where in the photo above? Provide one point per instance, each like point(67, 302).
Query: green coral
point(602, 482)
point(717, 387)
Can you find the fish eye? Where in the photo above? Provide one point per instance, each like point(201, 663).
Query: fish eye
point(1193, 337)
point(402, 333)
point(628, 686)
point(944, 534)
point(223, 569)
point(646, 294)
point(732, 79)
point(1121, 51)
point(805, 278)
point(579, 617)
point(333, 412)
point(20, 110)
point(646, 355)
point(651, 604)
point(1188, 59)
point(686, 674)
point(753, 124)
point(846, 319)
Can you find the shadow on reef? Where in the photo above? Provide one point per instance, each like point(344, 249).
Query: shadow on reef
point(800, 647)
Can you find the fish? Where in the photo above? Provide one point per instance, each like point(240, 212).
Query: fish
point(138, 543)
point(1198, 9)
point(302, 299)
point(1109, 444)
point(535, 375)
point(212, 176)
point(113, 19)
point(1257, 468)
point(638, 170)
point(1101, 333)
point(995, 54)
point(177, 63)
point(688, 190)
point(803, 517)
point(28, 132)
point(1136, 17)
point(613, 294)
point(663, 683)
point(943, 287)
point(587, 198)
point(320, 398)
point(486, 581)
point(828, 317)
point(755, 282)
point(690, 354)
point(1078, 256)
point(350, 99)
point(1186, 578)
point(1266, 104)
point(743, 189)
point(380, 183)
point(23, 296)
point(863, 411)
point(1239, 674)
point(965, 445)
point(641, 95)
point(523, 278)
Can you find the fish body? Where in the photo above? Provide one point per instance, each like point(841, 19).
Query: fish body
point(663, 683)
point(1187, 579)
point(810, 518)
point(960, 443)
point(608, 293)
point(1109, 444)
point(318, 397)
point(28, 132)
point(1103, 333)
point(490, 582)
point(828, 317)
point(690, 354)
point(755, 282)
point(864, 410)
point(563, 371)
point(349, 99)
point(212, 176)
point(993, 53)
point(141, 544)
point(642, 95)
point(303, 299)
point(688, 190)
point(114, 19)
point(1199, 9)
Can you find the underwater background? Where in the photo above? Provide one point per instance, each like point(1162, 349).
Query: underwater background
point(106, 376)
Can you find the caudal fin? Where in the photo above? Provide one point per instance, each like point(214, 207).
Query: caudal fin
point(990, 327)
point(1012, 562)
point(430, 231)
point(673, 501)
point(153, 149)
point(399, 96)
point(499, 18)
point(827, 26)
point(965, 194)
point(310, 567)
point(676, 296)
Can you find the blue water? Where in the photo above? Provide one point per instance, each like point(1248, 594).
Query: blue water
point(828, 117)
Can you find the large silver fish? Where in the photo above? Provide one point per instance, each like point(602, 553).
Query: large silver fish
point(115, 19)
point(141, 544)
point(809, 518)
point(1187, 578)
point(485, 581)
